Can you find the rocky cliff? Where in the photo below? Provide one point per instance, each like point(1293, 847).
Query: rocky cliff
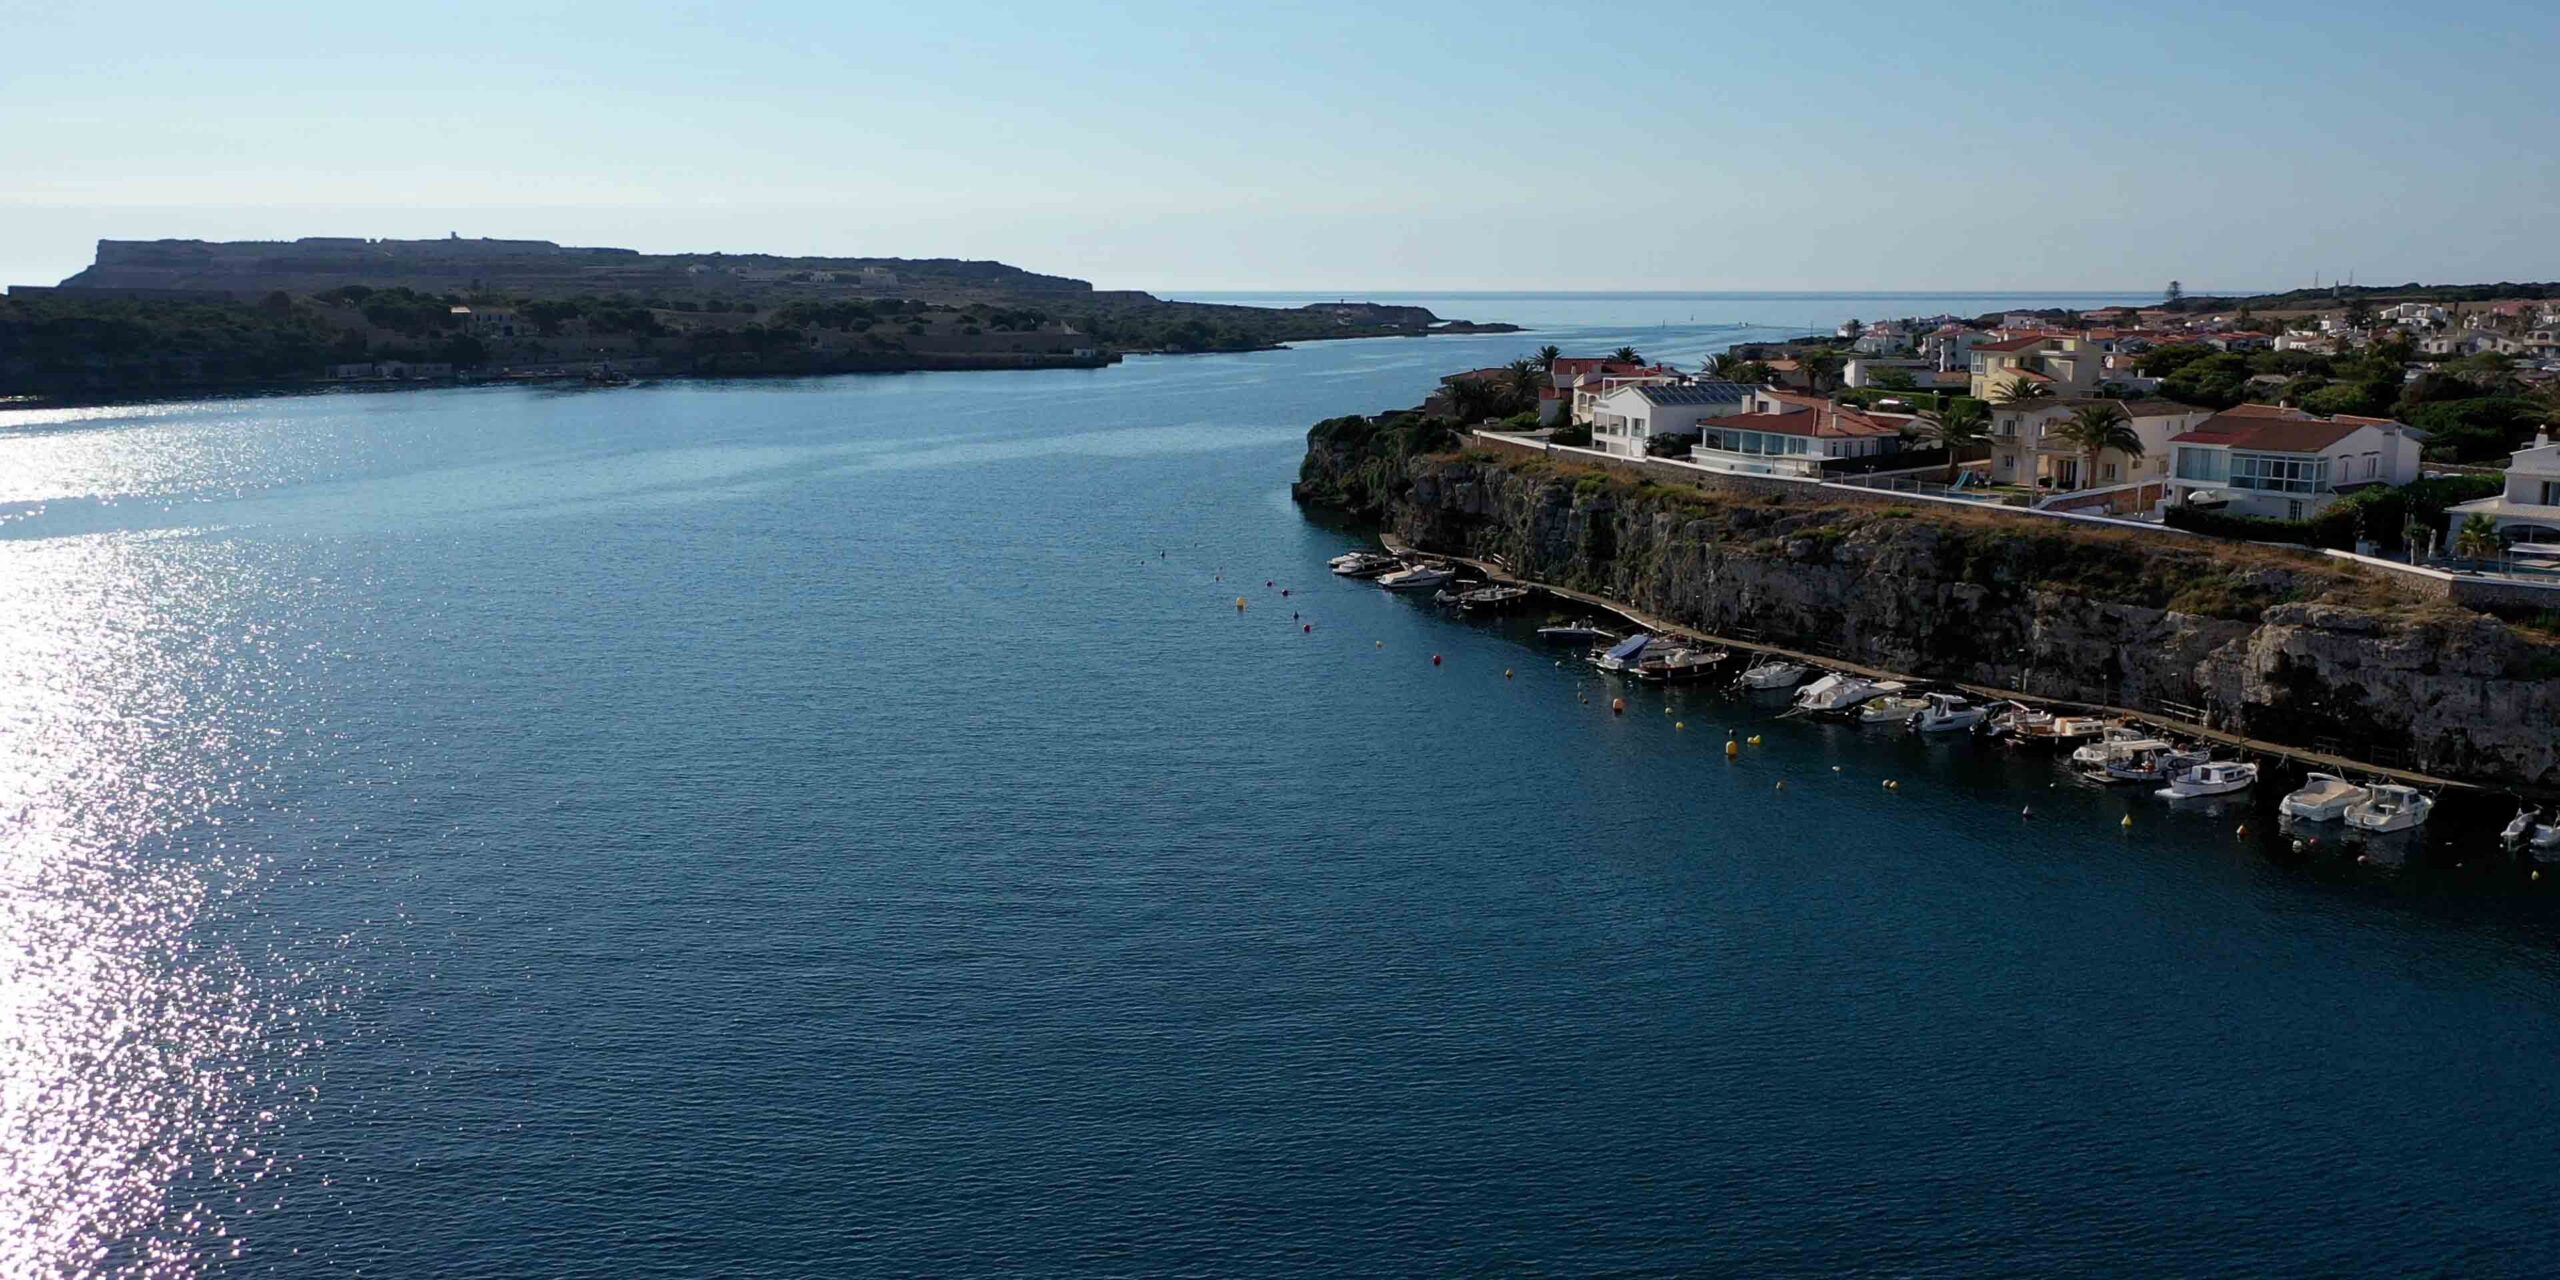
point(2268, 643)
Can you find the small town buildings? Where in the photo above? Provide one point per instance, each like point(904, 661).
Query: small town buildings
point(1787, 434)
point(2062, 362)
point(2284, 463)
point(2529, 509)
point(1574, 385)
point(2027, 450)
point(1861, 371)
point(1629, 417)
point(489, 322)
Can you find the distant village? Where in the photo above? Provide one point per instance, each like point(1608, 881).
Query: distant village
point(2414, 431)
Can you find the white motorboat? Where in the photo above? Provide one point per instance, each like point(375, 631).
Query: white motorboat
point(1421, 577)
point(2157, 763)
point(1491, 599)
point(1839, 693)
point(2525, 833)
point(2323, 797)
point(2388, 806)
point(1581, 632)
point(1364, 564)
point(2212, 778)
point(1674, 664)
point(1626, 655)
point(1772, 673)
point(1948, 713)
point(2096, 754)
point(1892, 709)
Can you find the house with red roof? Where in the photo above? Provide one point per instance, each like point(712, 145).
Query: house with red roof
point(1630, 416)
point(2064, 364)
point(2285, 463)
point(1789, 434)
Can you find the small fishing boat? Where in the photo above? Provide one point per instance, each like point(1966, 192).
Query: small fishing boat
point(1364, 564)
point(2322, 797)
point(2059, 730)
point(1421, 577)
point(2152, 762)
point(2014, 720)
point(1489, 599)
point(1772, 673)
point(2212, 778)
point(2388, 806)
point(2523, 832)
point(1624, 656)
point(1948, 713)
point(1838, 693)
point(1892, 709)
point(1676, 664)
point(1580, 631)
point(2095, 755)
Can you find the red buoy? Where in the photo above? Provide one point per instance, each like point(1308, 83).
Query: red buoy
point(1308, 627)
point(1435, 659)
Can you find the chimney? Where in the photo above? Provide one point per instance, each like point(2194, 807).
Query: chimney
point(2541, 437)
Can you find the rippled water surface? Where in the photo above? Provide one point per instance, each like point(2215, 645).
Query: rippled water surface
point(846, 827)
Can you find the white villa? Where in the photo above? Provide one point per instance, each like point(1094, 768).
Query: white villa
point(2026, 449)
point(1787, 434)
point(1626, 417)
point(2269, 460)
point(2529, 510)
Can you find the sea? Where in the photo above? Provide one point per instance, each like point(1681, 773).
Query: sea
point(951, 824)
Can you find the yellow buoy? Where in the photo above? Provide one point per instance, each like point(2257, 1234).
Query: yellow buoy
point(1679, 724)
point(2127, 823)
point(1731, 748)
point(1506, 673)
point(1754, 739)
point(1782, 786)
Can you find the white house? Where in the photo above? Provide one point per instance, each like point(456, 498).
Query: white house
point(1861, 371)
point(2268, 460)
point(1626, 418)
point(1790, 435)
point(2529, 509)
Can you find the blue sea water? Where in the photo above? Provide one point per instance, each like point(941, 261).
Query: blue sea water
point(846, 827)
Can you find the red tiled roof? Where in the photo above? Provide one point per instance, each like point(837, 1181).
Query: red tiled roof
point(2010, 344)
point(2274, 428)
point(1829, 421)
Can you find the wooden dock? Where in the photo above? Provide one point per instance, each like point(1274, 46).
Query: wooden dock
point(2185, 728)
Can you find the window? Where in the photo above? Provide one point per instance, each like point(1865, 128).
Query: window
point(2279, 473)
point(2551, 493)
point(2107, 474)
point(2212, 466)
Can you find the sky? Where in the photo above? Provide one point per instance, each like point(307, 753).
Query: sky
point(1374, 146)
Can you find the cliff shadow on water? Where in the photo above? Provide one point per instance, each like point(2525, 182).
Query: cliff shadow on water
point(2264, 642)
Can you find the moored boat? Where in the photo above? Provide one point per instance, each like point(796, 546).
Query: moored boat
point(1581, 631)
point(1772, 673)
point(2059, 730)
point(2094, 755)
point(1676, 664)
point(2388, 806)
point(1624, 656)
point(2524, 832)
point(1947, 713)
point(2322, 797)
point(1364, 564)
point(2212, 778)
point(1492, 599)
point(1838, 693)
point(1421, 577)
point(1893, 708)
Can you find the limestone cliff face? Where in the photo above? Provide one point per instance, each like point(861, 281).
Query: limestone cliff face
point(2270, 644)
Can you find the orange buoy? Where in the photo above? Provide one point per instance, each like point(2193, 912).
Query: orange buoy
point(1617, 706)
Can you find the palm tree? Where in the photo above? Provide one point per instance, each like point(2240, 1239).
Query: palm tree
point(2018, 390)
point(1547, 356)
point(2478, 538)
point(2097, 428)
point(1821, 367)
point(1522, 378)
point(1963, 424)
point(1728, 366)
point(1626, 355)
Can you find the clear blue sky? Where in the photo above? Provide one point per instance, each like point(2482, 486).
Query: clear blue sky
point(1322, 146)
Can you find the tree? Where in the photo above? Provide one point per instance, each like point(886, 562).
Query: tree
point(1964, 423)
point(2096, 428)
point(1726, 365)
point(1626, 355)
point(1522, 379)
point(2176, 291)
point(2018, 389)
point(1547, 357)
point(1852, 329)
point(1821, 367)
point(2478, 538)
